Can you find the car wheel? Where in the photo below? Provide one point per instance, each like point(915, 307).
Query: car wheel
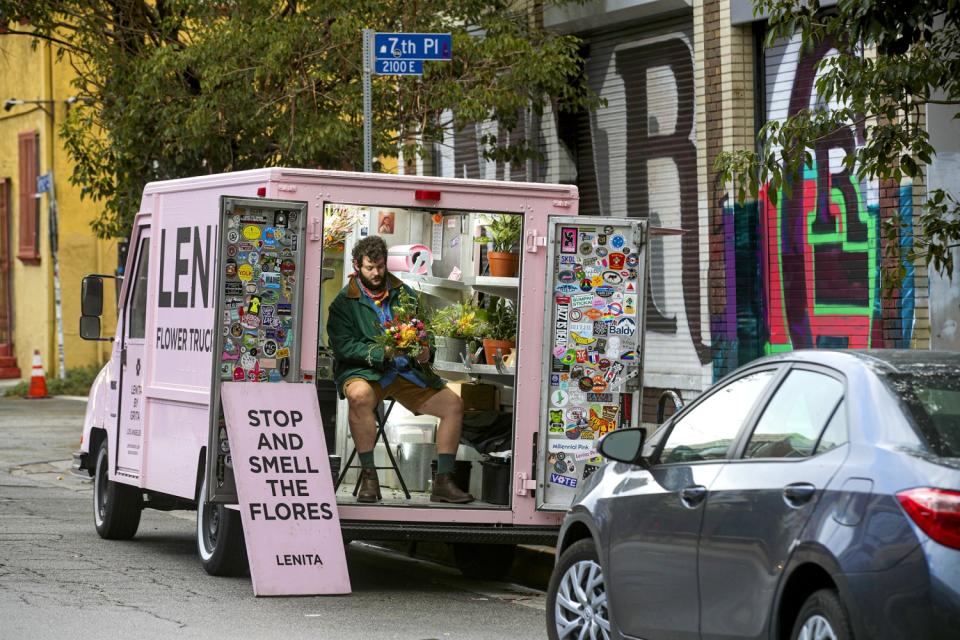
point(483, 561)
point(822, 617)
point(220, 542)
point(577, 595)
point(116, 506)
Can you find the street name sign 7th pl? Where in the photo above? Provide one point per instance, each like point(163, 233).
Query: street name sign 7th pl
point(413, 46)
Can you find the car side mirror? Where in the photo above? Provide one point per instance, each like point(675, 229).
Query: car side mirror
point(90, 327)
point(91, 298)
point(623, 445)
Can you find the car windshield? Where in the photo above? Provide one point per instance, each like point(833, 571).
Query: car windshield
point(932, 398)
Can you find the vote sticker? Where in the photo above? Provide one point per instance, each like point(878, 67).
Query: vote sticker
point(245, 272)
point(251, 232)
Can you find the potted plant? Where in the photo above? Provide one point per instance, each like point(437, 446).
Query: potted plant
point(452, 326)
point(503, 231)
point(501, 329)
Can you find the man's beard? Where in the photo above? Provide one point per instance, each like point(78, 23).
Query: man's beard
point(372, 288)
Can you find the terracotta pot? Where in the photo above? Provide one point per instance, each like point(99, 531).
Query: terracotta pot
point(490, 347)
point(503, 265)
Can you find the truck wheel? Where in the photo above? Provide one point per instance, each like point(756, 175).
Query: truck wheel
point(116, 506)
point(577, 595)
point(220, 542)
point(483, 561)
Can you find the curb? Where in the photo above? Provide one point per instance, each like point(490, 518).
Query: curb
point(532, 564)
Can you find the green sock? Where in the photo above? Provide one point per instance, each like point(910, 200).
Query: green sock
point(366, 459)
point(445, 462)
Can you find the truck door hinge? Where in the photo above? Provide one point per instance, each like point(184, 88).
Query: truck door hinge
point(523, 484)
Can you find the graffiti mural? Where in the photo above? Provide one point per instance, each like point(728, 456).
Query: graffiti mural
point(820, 245)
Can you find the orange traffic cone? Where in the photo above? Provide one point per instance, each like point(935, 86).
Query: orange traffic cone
point(38, 384)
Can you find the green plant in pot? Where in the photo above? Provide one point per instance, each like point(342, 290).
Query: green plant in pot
point(501, 329)
point(452, 327)
point(503, 231)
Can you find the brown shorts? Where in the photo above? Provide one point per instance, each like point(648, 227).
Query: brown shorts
point(406, 393)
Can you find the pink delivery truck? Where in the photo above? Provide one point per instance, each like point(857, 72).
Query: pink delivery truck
point(229, 277)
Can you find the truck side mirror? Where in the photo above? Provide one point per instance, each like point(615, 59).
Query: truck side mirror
point(90, 327)
point(91, 299)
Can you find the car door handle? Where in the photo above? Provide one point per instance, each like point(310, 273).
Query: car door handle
point(691, 497)
point(799, 493)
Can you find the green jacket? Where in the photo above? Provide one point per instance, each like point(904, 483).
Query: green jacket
point(352, 325)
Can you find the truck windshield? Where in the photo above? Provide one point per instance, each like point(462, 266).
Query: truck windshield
point(932, 399)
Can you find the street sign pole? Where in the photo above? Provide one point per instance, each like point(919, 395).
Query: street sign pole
point(367, 101)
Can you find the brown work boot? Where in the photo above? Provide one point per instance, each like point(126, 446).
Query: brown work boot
point(369, 486)
point(446, 490)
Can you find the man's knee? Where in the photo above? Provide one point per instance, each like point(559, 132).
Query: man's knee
point(360, 397)
point(451, 404)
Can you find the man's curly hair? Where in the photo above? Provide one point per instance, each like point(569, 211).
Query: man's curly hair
point(372, 247)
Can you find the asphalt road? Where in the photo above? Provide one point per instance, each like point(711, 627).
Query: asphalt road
point(59, 580)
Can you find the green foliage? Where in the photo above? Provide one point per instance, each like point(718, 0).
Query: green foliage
point(894, 57)
point(461, 320)
point(176, 88)
point(501, 320)
point(503, 230)
point(77, 382)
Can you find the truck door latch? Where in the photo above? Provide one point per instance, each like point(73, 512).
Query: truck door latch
point(532, 242)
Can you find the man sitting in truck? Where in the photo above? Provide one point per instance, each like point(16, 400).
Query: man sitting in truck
point(366, 373)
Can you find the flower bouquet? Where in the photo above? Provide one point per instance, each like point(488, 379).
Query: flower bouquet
point(404, 336)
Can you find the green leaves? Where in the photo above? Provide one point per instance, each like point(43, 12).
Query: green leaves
point(181, 88)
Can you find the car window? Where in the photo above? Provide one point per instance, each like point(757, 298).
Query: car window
point(795, 416)
point(138, 307)
point(836, 432)
point(932, 398)
point(705, 431)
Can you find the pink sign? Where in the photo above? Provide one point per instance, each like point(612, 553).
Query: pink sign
point(285, 490)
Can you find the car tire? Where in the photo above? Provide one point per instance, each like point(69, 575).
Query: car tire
point(822, 617)
point(483, 561)
point(116, 506)
point(220, 542)
point(577, 595)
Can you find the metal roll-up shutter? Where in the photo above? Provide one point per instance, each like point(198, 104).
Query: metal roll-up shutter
point(637, 157)
point(820, 246)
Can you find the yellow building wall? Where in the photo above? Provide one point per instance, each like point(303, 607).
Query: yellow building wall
point(29, 73)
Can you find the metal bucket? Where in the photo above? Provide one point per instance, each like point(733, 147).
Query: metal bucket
point(413, 460)
point(449, 349)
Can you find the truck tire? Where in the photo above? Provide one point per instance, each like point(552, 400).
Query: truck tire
point(483, 561)
point(220, 542)
point(116, 506)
